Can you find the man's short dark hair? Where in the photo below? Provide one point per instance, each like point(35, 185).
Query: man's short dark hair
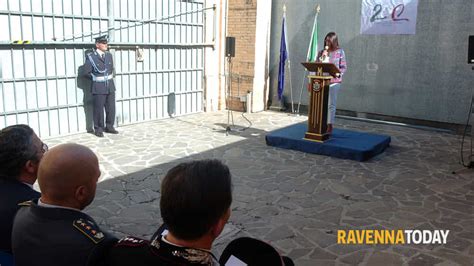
point(16, 148)
point(194, 196)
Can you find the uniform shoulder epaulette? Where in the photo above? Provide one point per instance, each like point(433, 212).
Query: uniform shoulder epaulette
point(25, 203)
point(89, 229)
point(130, 241)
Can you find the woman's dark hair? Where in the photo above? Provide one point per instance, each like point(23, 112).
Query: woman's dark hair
point(331, 41)
point(194, 196)
point(16, 148)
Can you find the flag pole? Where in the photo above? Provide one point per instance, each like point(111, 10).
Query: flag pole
point(291, 88)
point(318, 9)
point(289, 63)
point(284, 56)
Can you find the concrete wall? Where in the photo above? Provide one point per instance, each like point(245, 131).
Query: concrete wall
point(214, 81)
point(423, 76)
point(262, 47)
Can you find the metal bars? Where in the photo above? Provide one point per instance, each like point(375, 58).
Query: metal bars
point(39, 83)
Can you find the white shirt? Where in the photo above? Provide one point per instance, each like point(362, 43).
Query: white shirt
point(42, 204)
point(100, 52)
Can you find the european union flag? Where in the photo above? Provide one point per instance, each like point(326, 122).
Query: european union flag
point(283, 57)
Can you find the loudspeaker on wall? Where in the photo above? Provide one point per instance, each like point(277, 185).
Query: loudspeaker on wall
point(230, 46)
point(470, 53)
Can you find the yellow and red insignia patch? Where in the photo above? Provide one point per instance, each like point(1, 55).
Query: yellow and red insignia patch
point(89, 229)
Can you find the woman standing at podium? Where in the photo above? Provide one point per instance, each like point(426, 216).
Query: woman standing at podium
point(332, 53)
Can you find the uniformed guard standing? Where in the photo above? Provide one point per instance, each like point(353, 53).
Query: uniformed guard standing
point(99, 67)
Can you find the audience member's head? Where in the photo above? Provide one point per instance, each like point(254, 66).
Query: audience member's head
point(251, 251)
point(195, 201)
point(20, 153)
point(68, 176)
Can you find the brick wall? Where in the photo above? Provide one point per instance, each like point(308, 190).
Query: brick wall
point(241, 24)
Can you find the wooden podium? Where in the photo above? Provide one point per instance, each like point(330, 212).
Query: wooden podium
point(318, 99)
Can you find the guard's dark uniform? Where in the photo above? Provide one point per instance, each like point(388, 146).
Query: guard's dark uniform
point(100, 71)
point(56, 236)
point(12, 192)
point(140, 252)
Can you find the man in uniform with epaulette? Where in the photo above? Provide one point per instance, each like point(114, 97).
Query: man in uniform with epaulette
point(195, 206)
point(20, 153)
point(53, 230)
point(99, 67)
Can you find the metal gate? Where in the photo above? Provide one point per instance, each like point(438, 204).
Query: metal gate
point(157, 45)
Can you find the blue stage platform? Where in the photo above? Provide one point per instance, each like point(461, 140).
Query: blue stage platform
point(344, 144)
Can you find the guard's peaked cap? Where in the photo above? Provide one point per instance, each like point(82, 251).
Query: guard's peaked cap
point(103, 38)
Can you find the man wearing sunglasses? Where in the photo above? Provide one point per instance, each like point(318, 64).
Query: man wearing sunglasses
point(20, 153)
point(99, 67)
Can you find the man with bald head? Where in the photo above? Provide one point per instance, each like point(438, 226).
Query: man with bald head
point(53, 230)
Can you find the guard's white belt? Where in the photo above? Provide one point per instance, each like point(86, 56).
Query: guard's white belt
point(102, 78)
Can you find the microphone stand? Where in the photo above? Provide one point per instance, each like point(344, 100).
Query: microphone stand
point(228, 91)
point(470, 164)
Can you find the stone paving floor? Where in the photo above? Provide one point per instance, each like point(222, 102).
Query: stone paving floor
point(293, 200)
